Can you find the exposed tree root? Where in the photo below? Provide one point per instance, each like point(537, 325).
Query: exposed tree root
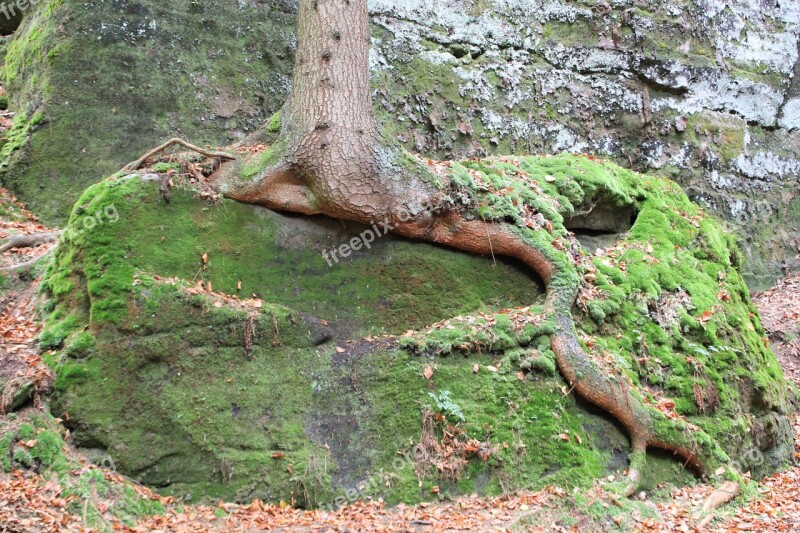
point(21, 268)
point(28, 241)
point(725, 493)
point(646, 426)
point(329, 159)
point(136, 165)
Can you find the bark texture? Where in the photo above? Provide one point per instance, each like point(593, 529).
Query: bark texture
point(333, 163)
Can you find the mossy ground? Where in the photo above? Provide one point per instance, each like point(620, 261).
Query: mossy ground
point(32, 440)
point(162, 378)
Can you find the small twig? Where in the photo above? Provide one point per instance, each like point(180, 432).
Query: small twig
point(249, 330)
point(136, 165)
point(276, 339)
point(491, 248)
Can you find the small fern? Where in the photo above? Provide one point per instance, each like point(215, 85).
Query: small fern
point(446, 405)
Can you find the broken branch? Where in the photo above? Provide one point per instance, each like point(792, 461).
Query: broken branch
point(136, 165)
point(21, 268)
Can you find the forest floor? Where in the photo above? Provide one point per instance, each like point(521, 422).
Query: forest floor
point(31, 501)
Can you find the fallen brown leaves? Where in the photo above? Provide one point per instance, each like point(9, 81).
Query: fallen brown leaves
point(252, 149)
point(777, 509)
point(780, 314)
point(20, 364)
point(33, 504)
point(20, 222)
point(465, 514)
point(449, 453)
point(217, 299)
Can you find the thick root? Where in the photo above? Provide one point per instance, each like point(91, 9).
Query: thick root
point(637, 463)
point(725, 493)
point(28, 241)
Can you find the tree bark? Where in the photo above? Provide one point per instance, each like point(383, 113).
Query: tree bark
point(328, 120)
point(334, 160)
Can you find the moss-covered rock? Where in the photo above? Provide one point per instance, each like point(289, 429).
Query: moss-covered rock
point(33, 440)
point(316, 391)
point(94, 84)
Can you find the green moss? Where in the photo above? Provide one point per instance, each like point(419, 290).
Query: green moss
point(56, 331)
point(17, 137)
point(675, 261)
point(171, 239)
point(163, 168)
point(36, 442)
point(261, 162)
point(274, 123)
point(6, 442)
point(396, 285)
point(80, 344)
point(49, 451)
point(22, 457)
point(26, 431)
point(340, 415)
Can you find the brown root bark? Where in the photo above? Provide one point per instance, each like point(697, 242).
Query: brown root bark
point(725, 493)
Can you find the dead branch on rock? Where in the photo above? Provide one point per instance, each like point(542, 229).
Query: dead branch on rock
point(21, 268)
point(136, 165)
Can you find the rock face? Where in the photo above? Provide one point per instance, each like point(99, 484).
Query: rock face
point(95, 84)
point(205, 398)
point(701, 91)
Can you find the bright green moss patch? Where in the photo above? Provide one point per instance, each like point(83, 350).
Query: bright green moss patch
point(274, 123)
point(35, 441)
point(6, 441)
point(666, 300)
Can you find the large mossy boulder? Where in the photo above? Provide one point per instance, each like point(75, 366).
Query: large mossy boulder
point(705, 93)
point(309, 386)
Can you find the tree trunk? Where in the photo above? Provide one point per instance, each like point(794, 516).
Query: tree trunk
point(330, 160)
point(334, 160)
